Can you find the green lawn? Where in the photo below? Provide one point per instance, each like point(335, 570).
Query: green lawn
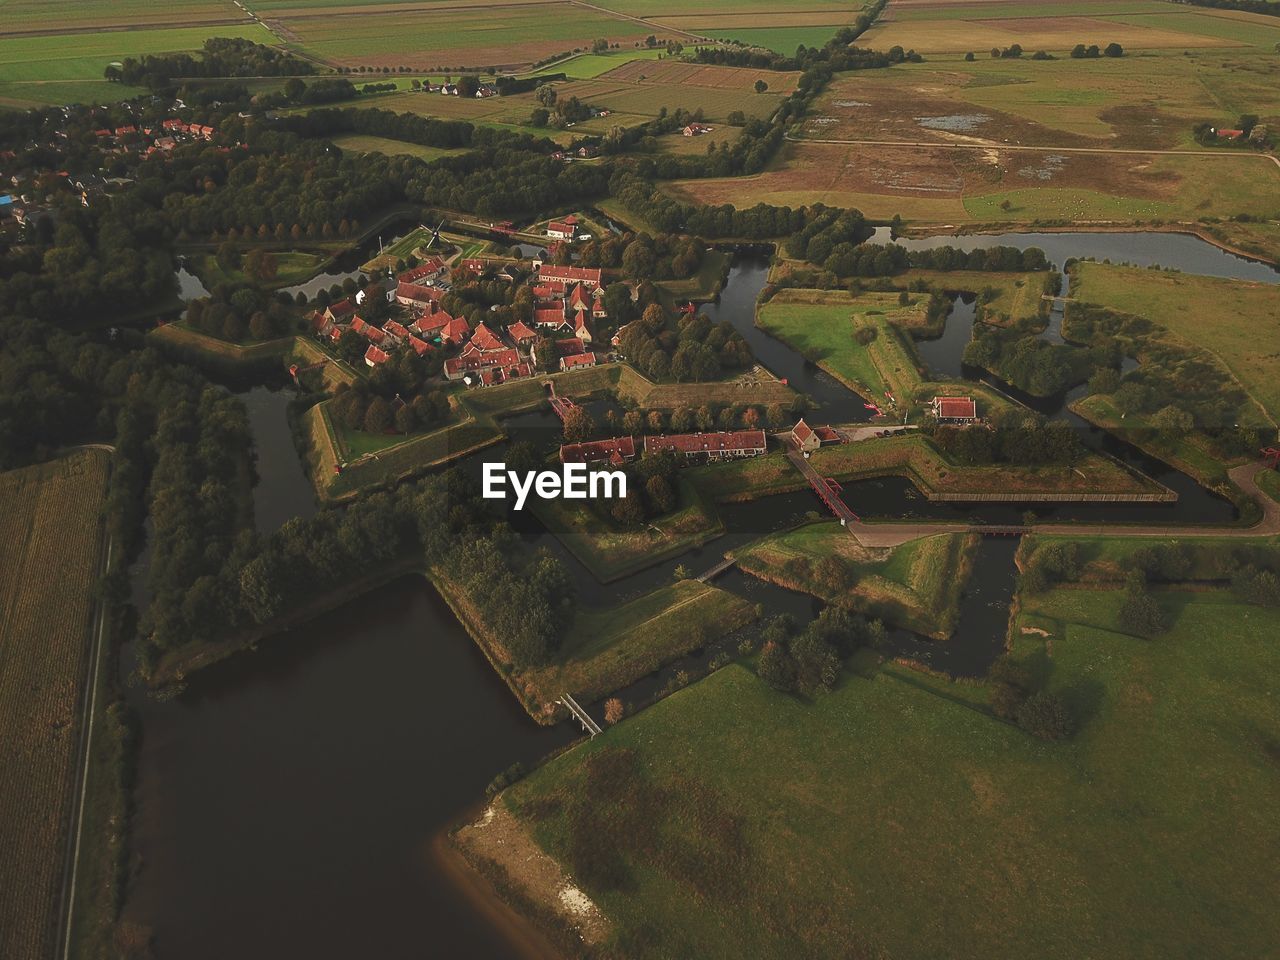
point(894, 817)
point(292, 266)
point(1238, 322)
point(588, 66)
point(359, 143)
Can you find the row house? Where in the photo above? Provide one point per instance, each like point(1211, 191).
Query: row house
point(615, 451)
point(726, 445)
point(415, 296)
point(550, 272)
point(577, 361)
point(430, 269)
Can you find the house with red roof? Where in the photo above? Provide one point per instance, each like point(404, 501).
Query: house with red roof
point(803, 436)
point(367, 330)
point(615, 451)
point(580, 328)
point(521, 333)
point(429, 269)
point(569, 347)
point(420, 347)
point(455, 368)
point(727, 445)
point(341, 311)
point(565, 228)
point(552, 317)
point(575, 361)
point(482, 338)
point(588, 275)
point(455, 331)
point(375, 355)
point(396, 329)
point(955, 409)
point(416, 295)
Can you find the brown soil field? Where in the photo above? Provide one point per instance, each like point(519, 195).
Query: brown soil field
point(699, 75)
point(50, 541)
point(729, 21)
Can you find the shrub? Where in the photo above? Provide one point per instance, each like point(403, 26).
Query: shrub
point(776, 668)
point(1046, 715)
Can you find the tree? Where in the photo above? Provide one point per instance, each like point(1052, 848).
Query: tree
point(1113, 50)
point(969, 57)
point(654, 421)
point(660, 494)
point(1139, 613)
point(578, 425)
point(613, 710)
point(1047, 716)
point(1077, 52)
point(761, 86)
point(776, 667)
point(546, 95)
point(632, 421)
point(405, 419)
point(377, 419)
point(1173, 422)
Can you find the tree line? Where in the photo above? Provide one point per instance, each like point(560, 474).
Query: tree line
point(219, 57)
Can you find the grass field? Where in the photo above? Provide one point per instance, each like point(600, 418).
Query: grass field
point(359, 143)
point(608, 649)
point(1238, 322)
point(894, 817)
point(824, 333)
point(952, 186)
point(49, 564)
point(916, 586)
point(292, 266)
point(1133, 102)
point(37, 16)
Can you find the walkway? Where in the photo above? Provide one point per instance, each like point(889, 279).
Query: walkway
point(718, 569)
point(822, 487)
point(584, 718)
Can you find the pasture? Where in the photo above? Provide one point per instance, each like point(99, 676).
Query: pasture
point(956, 28)
point(947, 185)
point(896, 817)
point(1130, 102)
point(360, 143)
point(1236, 321)
point(45, 16)
point(50, 552)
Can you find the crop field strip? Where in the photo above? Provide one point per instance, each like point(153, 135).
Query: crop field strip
point(52, 16)
point(50, 541)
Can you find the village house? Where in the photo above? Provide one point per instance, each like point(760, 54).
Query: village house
point(696, 129)
point(416, 296)
point(955, 409)
point(455, 331)
point(375, 355)
point(550, 272)
point(430, 269)
point(616, 451)
point(727, 445)
point(340, 312)
point(522, 334)
point(396, 329)
point(563, 229)
point(807, 438)
point(574, 361)
point(431, 322)
point(569, 347)
point(367, 330)
point(420, 347)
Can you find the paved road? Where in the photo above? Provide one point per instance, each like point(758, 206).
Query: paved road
point(1245, 477)
point(1133, 151)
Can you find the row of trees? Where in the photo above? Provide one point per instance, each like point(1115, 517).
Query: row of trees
point(692, 349)
point(1014, 436)
point(219, 57)
point(804, 661)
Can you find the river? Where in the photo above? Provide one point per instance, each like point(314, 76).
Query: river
point(288, 798)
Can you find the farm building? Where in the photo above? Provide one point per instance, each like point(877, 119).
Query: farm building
point(955, 409)
point(728, 445)
point(807, 438)
point(549, 272)
point(564, 229)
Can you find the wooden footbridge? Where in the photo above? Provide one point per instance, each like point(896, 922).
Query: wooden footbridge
point(584, 718)
point(718, 569)
point(828, 490)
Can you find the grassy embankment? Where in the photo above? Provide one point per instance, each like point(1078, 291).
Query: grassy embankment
point(703, 285)
point(1228, 323)
point(915, 458)
point(611, 552)
point(49, 564)
point(1148, 834)
point(916, 585)
point(292, 266)
point(361, 143)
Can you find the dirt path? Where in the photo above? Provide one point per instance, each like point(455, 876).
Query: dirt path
point(993, 145)
point(1245, 477)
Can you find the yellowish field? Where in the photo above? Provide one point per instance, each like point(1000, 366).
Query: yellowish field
point(701, 75)
point(1048, 33)
point(50, 542)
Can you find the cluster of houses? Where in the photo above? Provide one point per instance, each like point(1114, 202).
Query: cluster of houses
point(723, 445)
point(696, 129)
point(451, 90)
point(172, 132)
point(565, 299)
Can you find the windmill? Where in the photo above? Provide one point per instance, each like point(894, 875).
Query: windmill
point(435, 235)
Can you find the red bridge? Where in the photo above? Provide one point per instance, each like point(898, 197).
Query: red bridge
point(828, 490)
point(561, 405)
point(1271, 458)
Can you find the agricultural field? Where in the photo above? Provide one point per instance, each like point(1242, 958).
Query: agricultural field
point(443, 36)
point(49, 563)
point(895, 816)
point(915, 586)
point(646, 97)
point(957, 28)
point(951, 185)
point(1236, 321)
point(49, 16)
point(1130, 102)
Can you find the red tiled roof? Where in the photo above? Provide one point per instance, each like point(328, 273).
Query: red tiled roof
point(596, 450)
point(706, 442)
point(486, 339)
point(342, 307)
point(548, 291)
point(828, 435)
point(367, 330)
point(395, 328)
point(420, 347)
point(801, 431)
point(520, 331)
point(955, 408)
point(569, 347)
point(416, 293)
point(550, 271)
point(427, 268)
point(577, 360)
point(478, 361)
point(431, 321)
point(455, 329)
point(375, 355)
point(549, 316)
